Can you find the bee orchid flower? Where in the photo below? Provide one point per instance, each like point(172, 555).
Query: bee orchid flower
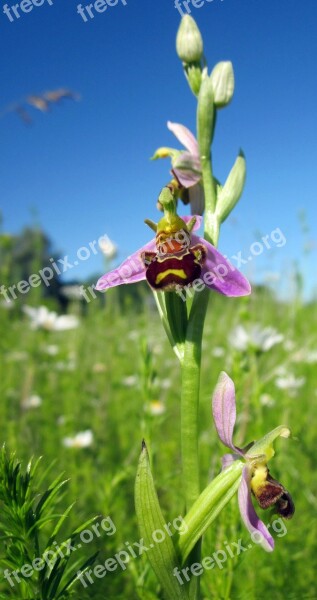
point(256, 479)
point(177, 258)
point(186, 167)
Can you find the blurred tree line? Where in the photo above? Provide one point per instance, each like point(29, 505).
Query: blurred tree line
point(25, 254)
point(30, 251)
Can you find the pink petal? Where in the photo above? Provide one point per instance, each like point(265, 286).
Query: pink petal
point(197, 199)
point(187, 161)
point(220, 275)
point(224, 409)
point(130, 271)
point(259, 532)
point(228, 459)
point(187, 177)
point(184, 136)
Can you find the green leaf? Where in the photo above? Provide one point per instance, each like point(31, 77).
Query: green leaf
point(84, 526)
point(162, 556)
point(49, 495)
point(75, 577)
point(209, 504)
point(59, 524)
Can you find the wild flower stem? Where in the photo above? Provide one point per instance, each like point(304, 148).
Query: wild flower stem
point(211, 232)
point(191, 364)
point(190, 416)
point(190, 396)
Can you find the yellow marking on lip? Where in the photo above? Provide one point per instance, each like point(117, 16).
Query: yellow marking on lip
point(259, 478)
point(178, 272)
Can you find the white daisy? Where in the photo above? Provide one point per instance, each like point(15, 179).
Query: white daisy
point(32, 401)
point(42, 318)
point(256, 337)
point(156, 408)
point(82, 439)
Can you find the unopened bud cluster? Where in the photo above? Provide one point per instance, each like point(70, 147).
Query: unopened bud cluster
point(190, 49)
point(213, 92)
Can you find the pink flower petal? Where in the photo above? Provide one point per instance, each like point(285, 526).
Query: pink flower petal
point(228, 459)
point(187, 161)
point(187, 177)
point(259, 532)
point(184, 136)
point(130, 271)
point(220, 275)
point(224, 409)
point(197, 199)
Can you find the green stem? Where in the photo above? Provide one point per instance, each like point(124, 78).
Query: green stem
point(212, 224)
point(209, 186)
point(190, 396)
point(191, 364)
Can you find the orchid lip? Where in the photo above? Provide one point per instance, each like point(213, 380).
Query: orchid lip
point(285, 506)
point(272, 494)
point(214, 270)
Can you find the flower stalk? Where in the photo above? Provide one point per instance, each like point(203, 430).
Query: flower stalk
point(191, 367)
point(190, 396)
point(191, 364)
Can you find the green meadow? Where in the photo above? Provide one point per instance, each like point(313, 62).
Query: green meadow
point(116, 378)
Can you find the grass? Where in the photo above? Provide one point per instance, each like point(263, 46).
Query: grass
point(103, 377)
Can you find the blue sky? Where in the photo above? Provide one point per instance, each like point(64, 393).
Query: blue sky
point(85, 166)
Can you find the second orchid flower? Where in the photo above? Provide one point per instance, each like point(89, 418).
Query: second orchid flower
point(256, 478)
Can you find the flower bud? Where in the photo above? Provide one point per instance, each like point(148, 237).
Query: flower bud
point(189, 43)
point(229, 194)
point(222, 78)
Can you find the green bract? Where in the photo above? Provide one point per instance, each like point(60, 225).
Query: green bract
point(230, 193)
